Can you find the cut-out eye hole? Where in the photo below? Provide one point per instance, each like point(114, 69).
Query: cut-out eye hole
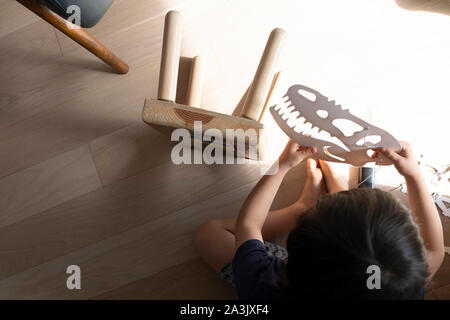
point(328, 153)
point(322, 113)
point(347, 127)
point(370, 153)
point(308, 95)
point(372, 139)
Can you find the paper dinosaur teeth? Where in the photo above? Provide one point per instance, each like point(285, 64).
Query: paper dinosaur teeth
point(289, 114)
point(299, 125)
point(295, 120)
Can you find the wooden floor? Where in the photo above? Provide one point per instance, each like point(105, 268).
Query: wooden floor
point(83, 181)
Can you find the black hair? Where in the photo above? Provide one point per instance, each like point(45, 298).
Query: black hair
point(336, 241)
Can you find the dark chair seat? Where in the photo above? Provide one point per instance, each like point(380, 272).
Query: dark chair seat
point(91, 10)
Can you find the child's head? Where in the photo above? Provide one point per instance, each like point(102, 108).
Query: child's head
point(335, 241)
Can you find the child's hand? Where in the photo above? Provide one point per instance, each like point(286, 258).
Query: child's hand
point(293, 154)
point(404, 161)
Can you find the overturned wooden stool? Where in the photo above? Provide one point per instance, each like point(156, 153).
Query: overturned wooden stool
point(164, 112)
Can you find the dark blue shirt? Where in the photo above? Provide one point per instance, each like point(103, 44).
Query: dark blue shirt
point(256, 272)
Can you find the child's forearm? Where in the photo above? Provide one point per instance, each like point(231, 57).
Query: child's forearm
point(282, 221)
point(278, 222)
point(256, 207)
point(427, 217)
point(420, 203)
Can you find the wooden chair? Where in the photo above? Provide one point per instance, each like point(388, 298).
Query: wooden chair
point(55, 13)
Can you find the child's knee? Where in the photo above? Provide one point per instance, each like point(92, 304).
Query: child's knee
point(206, 232)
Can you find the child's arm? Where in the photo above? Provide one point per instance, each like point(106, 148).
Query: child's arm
point(421, 205)
point(254, 211)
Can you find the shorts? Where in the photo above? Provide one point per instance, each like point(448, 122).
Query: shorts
point(272, 249)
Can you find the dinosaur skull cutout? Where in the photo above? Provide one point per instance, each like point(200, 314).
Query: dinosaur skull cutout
point(311, 119)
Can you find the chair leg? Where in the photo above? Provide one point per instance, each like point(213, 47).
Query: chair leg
point(78, 34)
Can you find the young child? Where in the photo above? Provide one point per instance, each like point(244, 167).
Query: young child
point(333, 238)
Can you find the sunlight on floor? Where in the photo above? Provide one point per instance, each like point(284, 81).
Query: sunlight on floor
point(388, 65)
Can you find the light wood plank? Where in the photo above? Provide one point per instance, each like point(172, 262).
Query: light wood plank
point(129, 151)
point(79, 75)
point(192, 280)
point(78, 121)
point(14, 17)
point(47, 184)
point(126, 257)
point(122, 206)
point(32, 45)
point(431, 295)
point(442, 293)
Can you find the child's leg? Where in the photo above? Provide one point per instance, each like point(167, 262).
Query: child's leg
point(215, 240)
point(336, 176)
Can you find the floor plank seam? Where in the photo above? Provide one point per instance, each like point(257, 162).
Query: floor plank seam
point(59, 153)
point(95, 165)
point(57, 41)
point(144, 277)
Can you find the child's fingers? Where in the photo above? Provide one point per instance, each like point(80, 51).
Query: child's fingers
point(375, 154)
point(311, 164)
point(307, 150)
point(291, 145)
point(406, 149)
point(391, 154)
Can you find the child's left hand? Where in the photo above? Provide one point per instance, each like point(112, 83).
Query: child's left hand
point(293, 154)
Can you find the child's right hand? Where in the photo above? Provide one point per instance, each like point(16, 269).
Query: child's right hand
point(293, 154)
point(404, 160)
